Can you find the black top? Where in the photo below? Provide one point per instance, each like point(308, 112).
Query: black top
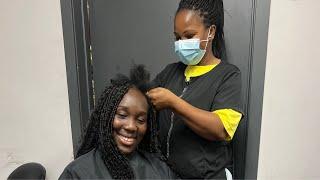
point(91, 166)
point(191, 155)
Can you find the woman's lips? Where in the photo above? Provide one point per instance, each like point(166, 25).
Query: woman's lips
point(128, 141)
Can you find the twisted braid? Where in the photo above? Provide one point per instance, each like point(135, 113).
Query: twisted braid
point(90, 135)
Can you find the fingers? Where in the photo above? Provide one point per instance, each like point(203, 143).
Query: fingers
point(157, 97)
point(152, 93)
point(154, 90)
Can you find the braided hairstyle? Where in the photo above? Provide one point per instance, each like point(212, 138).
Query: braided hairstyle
point(212, 13)
point(99, 131)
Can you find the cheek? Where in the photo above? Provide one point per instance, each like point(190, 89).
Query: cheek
point(143, 129)
point(203, 44)
point(116, 124)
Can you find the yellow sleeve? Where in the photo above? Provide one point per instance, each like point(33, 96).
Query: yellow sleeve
point(230, 120)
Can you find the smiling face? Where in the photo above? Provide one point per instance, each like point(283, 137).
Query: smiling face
point(130, 121)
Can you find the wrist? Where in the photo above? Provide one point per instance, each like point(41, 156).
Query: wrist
point(174, 103)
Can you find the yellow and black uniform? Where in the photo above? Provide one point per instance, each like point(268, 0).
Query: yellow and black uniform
point(215, 88)
point(230, 118)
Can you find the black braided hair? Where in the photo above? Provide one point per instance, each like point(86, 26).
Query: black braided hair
point(212, 13)
point(99, 131)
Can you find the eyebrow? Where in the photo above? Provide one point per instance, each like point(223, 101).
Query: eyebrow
point(143, 114)
point(189, 31)
point(126, 108)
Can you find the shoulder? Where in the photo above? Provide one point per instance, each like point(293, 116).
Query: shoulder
point(229, 68)
point(79, 166)
point(228, 72)
point(84, 160)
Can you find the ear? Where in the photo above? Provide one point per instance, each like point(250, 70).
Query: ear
point(212, 33)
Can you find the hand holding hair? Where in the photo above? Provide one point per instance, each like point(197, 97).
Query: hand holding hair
point(162, 98)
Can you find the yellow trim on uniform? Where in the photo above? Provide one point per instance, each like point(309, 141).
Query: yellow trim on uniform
point(230, 120)
point(229, 117)
point(195, 71)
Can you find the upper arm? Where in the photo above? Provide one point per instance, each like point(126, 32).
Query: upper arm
point(227, 103)
point(230, 120)
point(229, 95)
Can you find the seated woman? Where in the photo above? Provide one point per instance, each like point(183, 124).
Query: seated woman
point(121, 137)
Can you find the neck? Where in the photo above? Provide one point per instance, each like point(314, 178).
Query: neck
point(131, 155)
point(209, 59)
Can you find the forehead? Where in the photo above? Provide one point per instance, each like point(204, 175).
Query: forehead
point(134, 99)
point(187, 19)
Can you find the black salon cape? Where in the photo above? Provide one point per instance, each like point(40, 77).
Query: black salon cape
point(90, 166)
point(192, 156)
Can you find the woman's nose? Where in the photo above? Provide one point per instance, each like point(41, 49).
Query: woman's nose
point(131, 125)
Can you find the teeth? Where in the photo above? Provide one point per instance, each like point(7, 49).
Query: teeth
point(127, 139)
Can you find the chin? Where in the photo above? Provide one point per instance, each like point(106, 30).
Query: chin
point(126, 151)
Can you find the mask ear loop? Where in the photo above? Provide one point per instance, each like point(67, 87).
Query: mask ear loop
point(208, 36)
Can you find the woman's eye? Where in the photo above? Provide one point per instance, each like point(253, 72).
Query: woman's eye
point(122, 116)
point(177, 38)
point(141, 120)
point(190, 36)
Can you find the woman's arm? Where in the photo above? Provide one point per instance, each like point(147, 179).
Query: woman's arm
point(204, 123)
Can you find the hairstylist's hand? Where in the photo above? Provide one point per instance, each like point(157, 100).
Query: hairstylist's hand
point(162, 98)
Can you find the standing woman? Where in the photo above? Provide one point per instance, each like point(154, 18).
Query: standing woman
point(198, 98)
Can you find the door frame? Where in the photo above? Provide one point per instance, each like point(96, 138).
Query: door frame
point(80, 81)
point(258, 57)
point(78, 65)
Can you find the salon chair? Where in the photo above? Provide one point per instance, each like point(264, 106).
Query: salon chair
point(34, 171)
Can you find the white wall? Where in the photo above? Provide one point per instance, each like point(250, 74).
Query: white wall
point(34, 109)
point(290, 140)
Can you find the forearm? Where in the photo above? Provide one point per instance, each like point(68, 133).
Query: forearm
point(204, 123)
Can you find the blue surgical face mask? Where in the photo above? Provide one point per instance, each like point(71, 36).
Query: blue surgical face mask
point(189, 50)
